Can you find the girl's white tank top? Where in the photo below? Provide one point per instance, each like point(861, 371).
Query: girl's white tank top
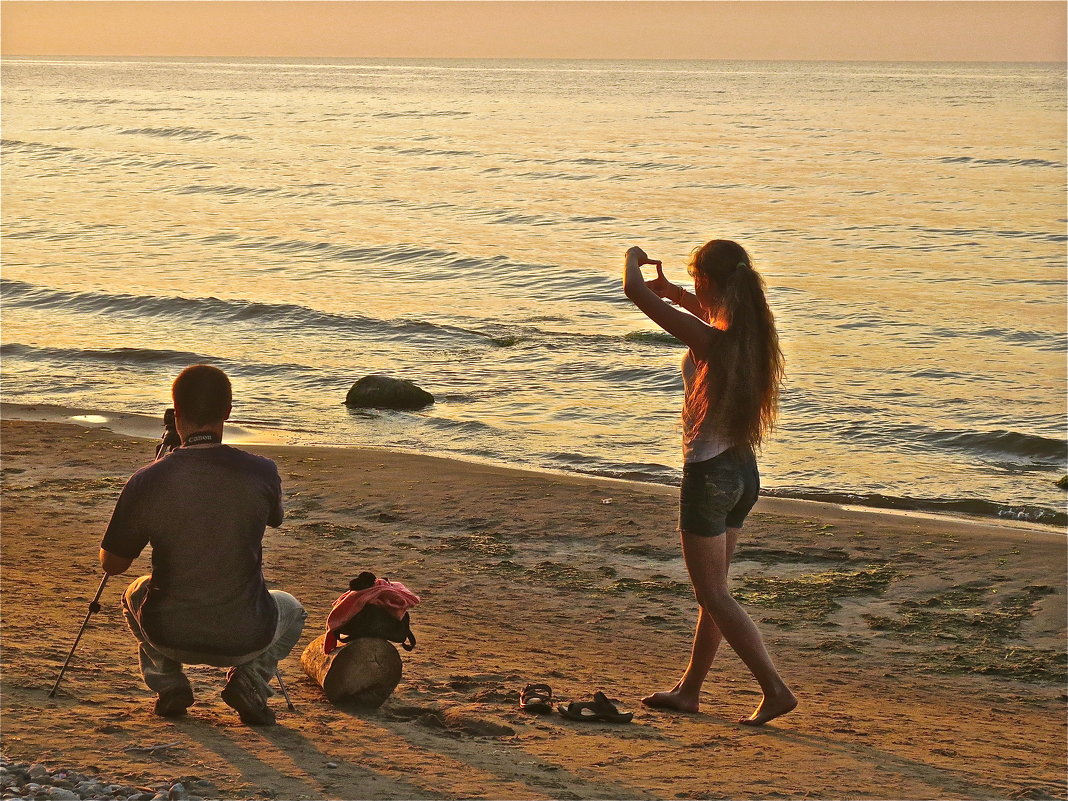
point(707, 443)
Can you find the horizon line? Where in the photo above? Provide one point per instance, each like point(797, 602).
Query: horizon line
point(99, 56)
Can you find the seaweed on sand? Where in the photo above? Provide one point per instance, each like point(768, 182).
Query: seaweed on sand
point(483, 544)
point(568, 577)
point(812, 596)
point(978, 632)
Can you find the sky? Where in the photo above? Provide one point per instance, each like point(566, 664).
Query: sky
point(891, 30)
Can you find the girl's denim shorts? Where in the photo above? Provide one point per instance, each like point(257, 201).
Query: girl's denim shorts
point(718, 493)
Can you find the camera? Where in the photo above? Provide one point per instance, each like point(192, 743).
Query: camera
point(170, 439)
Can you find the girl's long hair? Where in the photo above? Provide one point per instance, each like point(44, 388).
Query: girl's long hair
point(735, 392)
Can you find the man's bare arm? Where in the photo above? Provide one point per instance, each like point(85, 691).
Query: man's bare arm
point(114, 564)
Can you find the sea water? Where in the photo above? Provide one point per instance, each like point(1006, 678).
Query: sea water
point(462, 224)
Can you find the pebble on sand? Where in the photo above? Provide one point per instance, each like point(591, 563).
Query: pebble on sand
point(36, 781)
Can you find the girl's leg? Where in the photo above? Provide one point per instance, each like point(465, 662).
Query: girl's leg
point(685, 695)
point(707, 561)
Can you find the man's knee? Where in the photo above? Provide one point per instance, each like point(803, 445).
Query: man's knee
point(288, 605)
point(291, 614)
point(135, 594)
point(132, 600)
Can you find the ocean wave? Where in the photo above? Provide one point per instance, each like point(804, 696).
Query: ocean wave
point(653, 338)
point(301, 377)
point(232, 190)
point(1035, 236)
point(507, 340)
point(842, 317)
point(291, 317)
point(1060, 165)
point(425, 151)
point(653, 378)
point(659, 166)
point(75, 127)
point(956, 506)
point(287, 316)
point(46, 152)
point(712, 187)
point(1006, 443)
point(224, 189)
point(556, 176)
point(1052, 343)
point(586, 161)
point(152, 164)
point(493, 216)
point(130, 356)
point(396, 254)
point(645, 472)
point(1020, 449)
point(463, 428)
point(503, 217)
point(40, 149)
point(592, 219)
point(415, 114)
point(186, 134)
point(94, 101)
point(444, 265)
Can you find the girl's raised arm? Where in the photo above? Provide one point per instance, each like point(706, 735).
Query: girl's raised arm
point(692, 331)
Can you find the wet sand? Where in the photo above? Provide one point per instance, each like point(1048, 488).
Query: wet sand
point(928, 654)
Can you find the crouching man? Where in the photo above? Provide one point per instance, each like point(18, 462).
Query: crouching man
point(203, 508)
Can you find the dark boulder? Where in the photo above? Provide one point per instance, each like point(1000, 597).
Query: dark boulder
point(383, 392)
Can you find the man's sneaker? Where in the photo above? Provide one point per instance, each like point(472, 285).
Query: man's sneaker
point(173, 703)
point(246, 698)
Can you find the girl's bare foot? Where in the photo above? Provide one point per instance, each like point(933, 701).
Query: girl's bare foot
point(771, 707)
point(673, 700)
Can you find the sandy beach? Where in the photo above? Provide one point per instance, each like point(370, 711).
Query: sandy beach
point(928, 654)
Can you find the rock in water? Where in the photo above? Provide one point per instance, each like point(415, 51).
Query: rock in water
point(383, 392)
point(363, 672)
point(1063, 483)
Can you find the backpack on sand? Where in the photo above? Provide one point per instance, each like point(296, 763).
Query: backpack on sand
point(373, 607)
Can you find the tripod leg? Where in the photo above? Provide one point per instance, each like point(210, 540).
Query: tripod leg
point(285, 692)
point(94, 606)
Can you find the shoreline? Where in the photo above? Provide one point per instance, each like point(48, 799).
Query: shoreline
point(149, 428)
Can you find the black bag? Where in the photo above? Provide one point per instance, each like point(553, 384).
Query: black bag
point(376, 621)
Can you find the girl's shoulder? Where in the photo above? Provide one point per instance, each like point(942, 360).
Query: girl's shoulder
point(713, 341)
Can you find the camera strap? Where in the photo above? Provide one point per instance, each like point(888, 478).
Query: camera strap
point(203, 438)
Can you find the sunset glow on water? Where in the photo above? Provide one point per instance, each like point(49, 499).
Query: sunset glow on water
point(462, 224)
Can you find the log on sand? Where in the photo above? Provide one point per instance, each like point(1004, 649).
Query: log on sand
point(363, 672)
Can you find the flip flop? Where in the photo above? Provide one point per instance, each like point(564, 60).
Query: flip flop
point(578, 710)
point(536, 698)
point(599, 709)
point(606, 710)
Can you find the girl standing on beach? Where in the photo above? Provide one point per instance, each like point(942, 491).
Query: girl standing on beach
point(731, 375)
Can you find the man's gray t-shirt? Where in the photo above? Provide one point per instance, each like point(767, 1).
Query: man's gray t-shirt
point(204, 510)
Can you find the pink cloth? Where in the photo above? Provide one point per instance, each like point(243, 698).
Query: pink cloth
point(392, 596)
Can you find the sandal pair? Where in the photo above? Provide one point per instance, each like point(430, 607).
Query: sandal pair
point(600, 709)
point(538, 698)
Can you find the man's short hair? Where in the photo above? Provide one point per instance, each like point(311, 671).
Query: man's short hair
point(202, 394)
